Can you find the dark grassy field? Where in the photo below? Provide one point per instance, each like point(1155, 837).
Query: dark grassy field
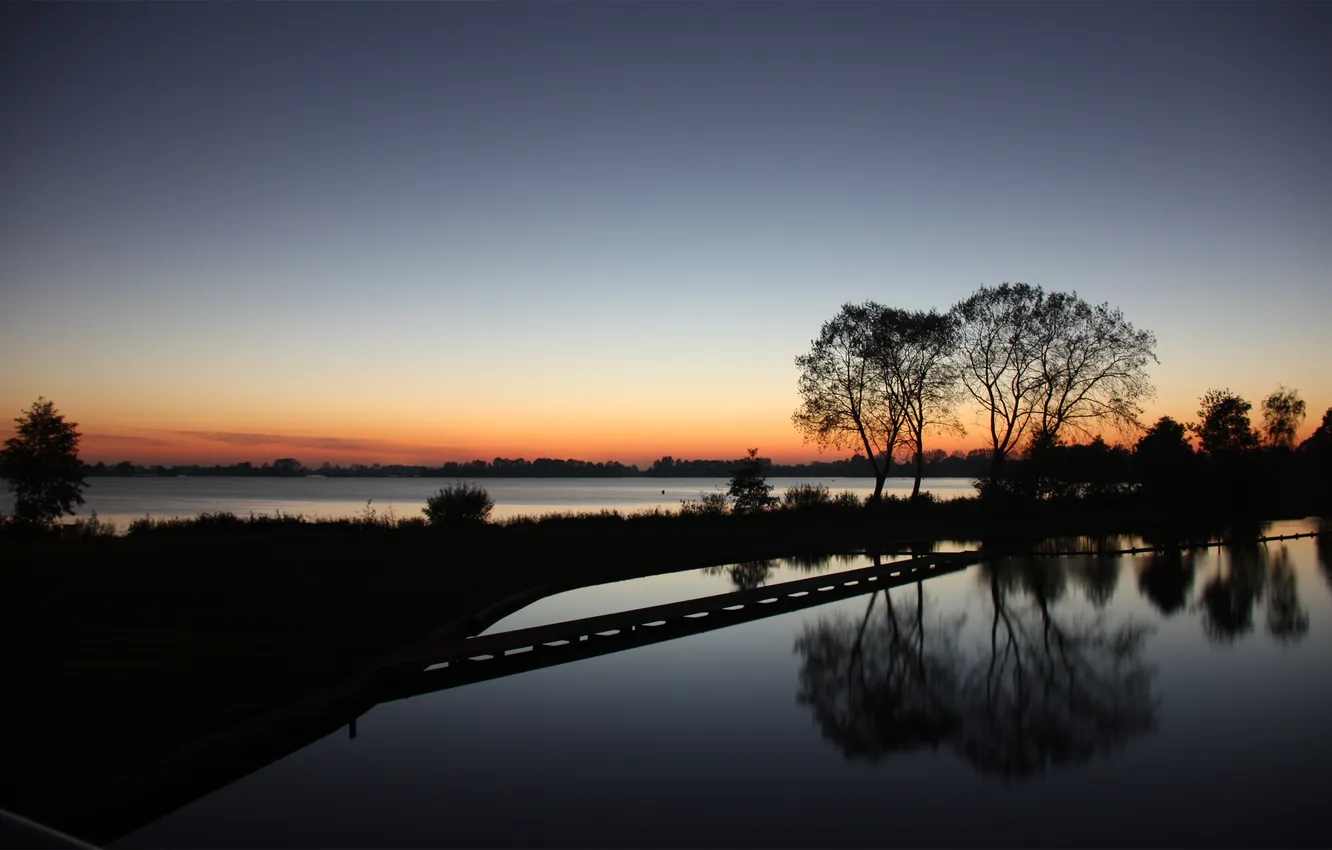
point(120, 651)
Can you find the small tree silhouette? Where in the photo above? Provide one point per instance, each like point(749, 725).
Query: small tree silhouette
point(41, 463)
point(1224, 429)
point(1283, 412)
point(457, 505)
point(749, 489)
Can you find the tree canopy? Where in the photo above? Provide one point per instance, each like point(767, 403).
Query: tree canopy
point(41, 463)
point(913, 352)
point(1223, 426)
point(844, 401)
point(1039, 364)
point(1283, 411)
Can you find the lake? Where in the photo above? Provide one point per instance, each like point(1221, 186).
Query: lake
point(122, 500)
point(1135, 700)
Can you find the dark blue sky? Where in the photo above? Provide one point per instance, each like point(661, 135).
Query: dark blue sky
point(565, 211)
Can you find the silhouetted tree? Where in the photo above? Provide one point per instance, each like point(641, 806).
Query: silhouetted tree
point(1283, 411)
point(288, 467)
point(1223, 428)
point(1042, 364)
point(458, 504)
point(1315, 459)
point(997, 358)
point(750, 491)
point(1321, 438)
point(1093, 366)
point(1164, 459)
point(41, 463)
point(844, 402)
point(914, 351)
point(1229, 442)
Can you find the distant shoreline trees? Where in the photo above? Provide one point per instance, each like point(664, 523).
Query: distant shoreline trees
point(937, 463)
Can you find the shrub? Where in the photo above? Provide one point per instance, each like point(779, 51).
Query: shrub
point(459, 504)
point(370, 518)
point(91, 527)
point(708, 504)
point(847, 500)
point(806, 496)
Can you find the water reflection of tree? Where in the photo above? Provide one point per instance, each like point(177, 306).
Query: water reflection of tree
point(1287, 620)
point(1324, 546)
point(745, 576)
point(1099, 576)
point(1228, 598)
point(1167, 578)
point(1096, 574)
point(1055, 690)
point(754, 574)
point(1045, 690)
point(822, 563)
point(1252, 574)
point(873, 685)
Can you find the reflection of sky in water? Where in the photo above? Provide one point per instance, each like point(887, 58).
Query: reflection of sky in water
point(701, 742)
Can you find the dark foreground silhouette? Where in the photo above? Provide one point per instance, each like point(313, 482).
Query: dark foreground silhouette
point(123, 650)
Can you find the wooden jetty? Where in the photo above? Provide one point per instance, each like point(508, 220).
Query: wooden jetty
point(453, 663)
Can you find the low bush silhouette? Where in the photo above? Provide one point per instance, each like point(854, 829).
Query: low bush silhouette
point(708, 504)
point(458, 504)
point(90, 527)
point(806, 497)
point(847, 500)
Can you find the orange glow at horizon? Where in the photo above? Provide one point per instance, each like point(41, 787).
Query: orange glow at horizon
point(409, 428)
point(628, 442)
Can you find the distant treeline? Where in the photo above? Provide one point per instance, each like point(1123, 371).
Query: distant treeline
point(939, 464)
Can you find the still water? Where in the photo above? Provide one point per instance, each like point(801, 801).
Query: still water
point(1115, 701)
point(123, 500)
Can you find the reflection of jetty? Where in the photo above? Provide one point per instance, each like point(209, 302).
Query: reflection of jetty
point(449, 664)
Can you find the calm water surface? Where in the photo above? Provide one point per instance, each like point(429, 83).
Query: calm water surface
point(1116, 701)
point(122, 500)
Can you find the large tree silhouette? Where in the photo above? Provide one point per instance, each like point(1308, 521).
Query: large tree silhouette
point(914, 352)
point(844, 402)
point(1041, 365)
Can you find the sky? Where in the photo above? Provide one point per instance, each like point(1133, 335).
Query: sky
point(417, 232)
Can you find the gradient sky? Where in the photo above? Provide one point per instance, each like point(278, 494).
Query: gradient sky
point(428, 231)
